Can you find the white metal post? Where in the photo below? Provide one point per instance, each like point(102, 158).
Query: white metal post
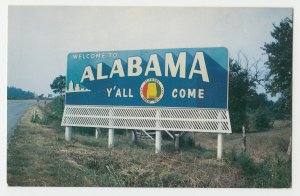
point(133, 138)
point(220, 146)
point(157, 142)
point(220, 139)
point(68, 133)
point(97, 131)
point(176, 141)
point(111, 138)
point(157, 133)
point(111, 130)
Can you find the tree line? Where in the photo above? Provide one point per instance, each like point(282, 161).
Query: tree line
point(17, 93)
point(246, 106)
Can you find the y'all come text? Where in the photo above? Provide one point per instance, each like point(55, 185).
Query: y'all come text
point(176, 93)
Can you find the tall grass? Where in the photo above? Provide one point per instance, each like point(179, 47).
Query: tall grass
point(53, 112)
point(272, 172)
point(40, 156)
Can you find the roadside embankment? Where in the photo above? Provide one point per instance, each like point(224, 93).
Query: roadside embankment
point(39, 156)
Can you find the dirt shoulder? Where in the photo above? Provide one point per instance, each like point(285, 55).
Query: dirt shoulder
point(29, 152)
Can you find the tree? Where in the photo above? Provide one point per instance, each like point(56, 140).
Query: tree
point(41, 96)
point(59, 84)
point(263, 119)
point(241, 90)
point(17, 93)
point(260, 100)
point(279, 52)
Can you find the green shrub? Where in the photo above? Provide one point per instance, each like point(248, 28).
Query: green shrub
point(186, 142)
point(282, 144)
point(172, 179)
point(88, 131)
point(57, 107)
point(92, 142)
point(262, 120)
point(243, 162)
point(53, 111)
point(273, 172)
point(35, 118)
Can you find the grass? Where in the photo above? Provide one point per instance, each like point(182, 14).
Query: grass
point(271, 172)
point(38, 155)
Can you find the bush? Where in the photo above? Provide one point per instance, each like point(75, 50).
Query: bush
point(186, 142)
point(273, 172)
point(87, 131)
point(53, 112)
point(172, 179)
point(263, 120)
point(237, 119)
point(57, 107)
point(243, 162)
point(35, 118)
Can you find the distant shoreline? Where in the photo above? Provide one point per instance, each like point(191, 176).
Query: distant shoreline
point(19, 99)
point(28, 99)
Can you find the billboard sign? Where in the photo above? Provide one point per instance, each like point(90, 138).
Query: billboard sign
point(181, 77)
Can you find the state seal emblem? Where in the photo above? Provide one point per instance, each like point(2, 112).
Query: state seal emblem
point(152, 90)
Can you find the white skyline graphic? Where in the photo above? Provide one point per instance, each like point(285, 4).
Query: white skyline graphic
point(76, 89)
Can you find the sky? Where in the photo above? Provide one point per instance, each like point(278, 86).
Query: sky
point(40, 37)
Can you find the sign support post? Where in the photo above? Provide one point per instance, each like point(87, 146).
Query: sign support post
point(176, 142)
point(68, 133)
point(111, 131)
point(97, 132)
point(111, 138)
point(133, 136)
point(220, 138)
point(157, 142)
point(220, 146)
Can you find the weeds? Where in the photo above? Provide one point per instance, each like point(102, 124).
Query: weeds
point(282, 145)
point(39, 156)
point(272, 172)
point(186, 142)
point(35, 118)
point(173, 179)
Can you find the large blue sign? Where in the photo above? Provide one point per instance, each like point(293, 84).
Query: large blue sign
point(183, 77)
